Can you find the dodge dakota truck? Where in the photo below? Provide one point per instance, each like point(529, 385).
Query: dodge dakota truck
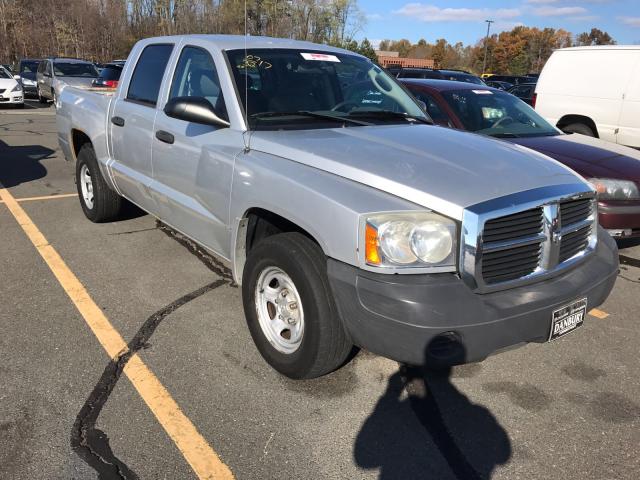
point(348, 218)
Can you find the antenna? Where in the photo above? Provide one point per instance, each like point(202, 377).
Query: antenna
point(247, 146)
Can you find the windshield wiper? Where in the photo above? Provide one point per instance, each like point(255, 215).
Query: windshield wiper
point(503, 135)
point(306, 113)
point(384, 114)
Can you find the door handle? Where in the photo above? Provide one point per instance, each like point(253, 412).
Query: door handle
point(118, 121)
point(165, 137)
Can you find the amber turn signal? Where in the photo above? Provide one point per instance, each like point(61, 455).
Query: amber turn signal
point(371, 254)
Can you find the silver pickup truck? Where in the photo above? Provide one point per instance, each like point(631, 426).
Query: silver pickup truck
point(348, 219)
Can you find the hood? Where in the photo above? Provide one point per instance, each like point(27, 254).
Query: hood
point(441, 169)
point(7, 83)
point(590, 157)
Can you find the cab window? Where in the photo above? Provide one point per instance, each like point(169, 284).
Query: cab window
point(196, 76)
point(147, 77)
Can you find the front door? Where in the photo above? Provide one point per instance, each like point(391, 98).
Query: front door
point(193, 163)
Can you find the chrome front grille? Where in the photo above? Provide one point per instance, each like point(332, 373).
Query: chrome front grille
point(574, 219)
point(512, 246)
point(572, 211)
point(520, 238)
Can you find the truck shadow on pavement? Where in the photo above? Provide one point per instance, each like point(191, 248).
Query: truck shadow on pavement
point(465, 435)
point(22, 164)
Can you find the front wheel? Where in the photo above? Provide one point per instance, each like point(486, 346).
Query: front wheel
point(580, 128)
point(99, 203)
point(290, 309)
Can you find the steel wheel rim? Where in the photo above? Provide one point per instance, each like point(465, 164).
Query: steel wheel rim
point(279, 310)
point(86, 186)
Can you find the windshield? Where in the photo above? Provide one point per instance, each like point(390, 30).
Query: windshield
point(498, 114)
point(4, 73)
point(62, 69)
point(28, 67)
point(289, 88)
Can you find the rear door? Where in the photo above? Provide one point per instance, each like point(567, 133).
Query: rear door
point(193, 163)
point(131, 125)
point(629, 128)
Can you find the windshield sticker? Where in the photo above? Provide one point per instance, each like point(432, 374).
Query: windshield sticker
point(482, 92)
point(253, 61)
point(322, 57)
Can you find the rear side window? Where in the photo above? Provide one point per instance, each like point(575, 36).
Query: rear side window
point(147, 76)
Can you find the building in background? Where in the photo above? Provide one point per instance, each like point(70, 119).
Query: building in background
point(393, 59)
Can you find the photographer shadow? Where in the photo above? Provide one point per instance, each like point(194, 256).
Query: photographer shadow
point(21, 164)
point(452, 438)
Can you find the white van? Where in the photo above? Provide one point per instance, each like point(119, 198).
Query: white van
point(594, 91)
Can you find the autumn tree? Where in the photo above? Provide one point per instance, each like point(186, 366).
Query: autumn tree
point(594, 37)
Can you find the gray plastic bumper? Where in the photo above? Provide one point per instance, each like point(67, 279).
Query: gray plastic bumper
point(404, 317)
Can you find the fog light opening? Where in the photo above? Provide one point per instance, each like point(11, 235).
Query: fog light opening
point(446, 349)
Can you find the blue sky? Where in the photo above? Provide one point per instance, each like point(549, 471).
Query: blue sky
point(463, 20)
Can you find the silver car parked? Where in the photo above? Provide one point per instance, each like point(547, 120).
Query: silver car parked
point(54, 73)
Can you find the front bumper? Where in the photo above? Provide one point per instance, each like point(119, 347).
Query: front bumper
point(30, 90)
point(621, 219)
point(436, 319)
point(13, 98)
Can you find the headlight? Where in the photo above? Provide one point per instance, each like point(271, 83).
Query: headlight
point(410, 239)
point(17, 88)
point(611, 189)
point(26, 81)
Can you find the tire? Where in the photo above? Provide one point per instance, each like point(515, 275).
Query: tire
point(41, 99)
point(324, 345)
point(99, 203)
point(580, 128)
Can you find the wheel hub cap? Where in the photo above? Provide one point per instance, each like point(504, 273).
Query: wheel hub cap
point(279, 310)
point(86, 186)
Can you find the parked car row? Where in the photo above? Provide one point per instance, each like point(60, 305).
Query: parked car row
point(45, 78)
point(440, 74)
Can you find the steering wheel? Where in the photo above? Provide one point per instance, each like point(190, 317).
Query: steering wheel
point(339, 106)
point(502, 120)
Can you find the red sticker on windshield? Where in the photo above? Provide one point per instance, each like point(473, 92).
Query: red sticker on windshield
point(322, 57)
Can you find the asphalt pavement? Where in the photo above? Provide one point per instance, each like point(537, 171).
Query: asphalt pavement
point(72, 409)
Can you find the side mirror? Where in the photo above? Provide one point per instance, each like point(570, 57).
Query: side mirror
point(16, 77)
point(194, 110)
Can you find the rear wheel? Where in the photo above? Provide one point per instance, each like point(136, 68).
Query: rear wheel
point(580, 128)
point(290, 309)
point(99, 203)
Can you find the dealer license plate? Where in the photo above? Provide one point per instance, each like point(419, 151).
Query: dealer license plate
point(566, 319)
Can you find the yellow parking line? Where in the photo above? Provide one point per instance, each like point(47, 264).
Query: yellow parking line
point(598, 313)
point(203, 459)
point(45, 197)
